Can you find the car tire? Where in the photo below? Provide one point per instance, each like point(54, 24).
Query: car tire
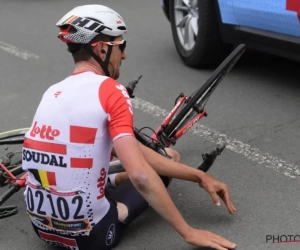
point(208, 49)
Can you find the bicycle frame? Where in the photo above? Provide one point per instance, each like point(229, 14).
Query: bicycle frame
point(167, 139)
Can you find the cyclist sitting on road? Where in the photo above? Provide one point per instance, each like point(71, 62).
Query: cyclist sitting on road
point(79, 122)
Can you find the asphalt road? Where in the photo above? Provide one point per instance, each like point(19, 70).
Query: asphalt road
point(256, 109)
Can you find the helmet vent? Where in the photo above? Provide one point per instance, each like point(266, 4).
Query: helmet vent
point(121, 28)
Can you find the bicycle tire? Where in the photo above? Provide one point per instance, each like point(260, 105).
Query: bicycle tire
point(203, 93)
point(15, 136)
point(12, 141)
point(13, 133)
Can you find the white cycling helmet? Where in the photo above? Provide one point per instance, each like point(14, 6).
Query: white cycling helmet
point(83, 23)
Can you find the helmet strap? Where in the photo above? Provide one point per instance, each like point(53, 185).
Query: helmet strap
point(103, 64)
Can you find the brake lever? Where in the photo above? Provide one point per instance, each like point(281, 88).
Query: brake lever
point(131, 86)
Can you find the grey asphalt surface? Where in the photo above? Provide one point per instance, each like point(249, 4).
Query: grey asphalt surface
point(257, 103)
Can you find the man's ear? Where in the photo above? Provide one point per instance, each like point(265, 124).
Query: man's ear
point(99, 51)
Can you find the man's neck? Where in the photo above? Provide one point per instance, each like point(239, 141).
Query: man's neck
point(85, 66)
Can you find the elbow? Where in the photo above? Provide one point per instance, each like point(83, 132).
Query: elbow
point(140, 180)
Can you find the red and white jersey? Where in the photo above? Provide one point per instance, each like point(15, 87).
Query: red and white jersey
point(67, 150)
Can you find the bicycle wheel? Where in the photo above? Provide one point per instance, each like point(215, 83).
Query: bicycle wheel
point(199, 98)
point(15, 136)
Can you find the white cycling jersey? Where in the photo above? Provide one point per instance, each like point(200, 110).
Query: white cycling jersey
point(67, 151)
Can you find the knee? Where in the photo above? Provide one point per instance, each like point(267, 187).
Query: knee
point(122, 212)
point(174, 154)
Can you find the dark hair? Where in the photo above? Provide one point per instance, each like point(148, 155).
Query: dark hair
point(79, 53)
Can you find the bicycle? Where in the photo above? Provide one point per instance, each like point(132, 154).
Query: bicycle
point(190, 110)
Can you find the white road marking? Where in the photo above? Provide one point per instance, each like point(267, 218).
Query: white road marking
point(251, 153)
point(17, 52)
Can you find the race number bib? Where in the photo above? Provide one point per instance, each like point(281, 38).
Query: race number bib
point(67, 211)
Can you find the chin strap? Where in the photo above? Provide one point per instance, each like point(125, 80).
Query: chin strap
point(103, 64)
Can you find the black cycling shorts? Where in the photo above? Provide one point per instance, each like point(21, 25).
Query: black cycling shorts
point(107, 233)
point(104, 235)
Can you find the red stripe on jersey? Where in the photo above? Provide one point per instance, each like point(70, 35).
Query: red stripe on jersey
point(82, 134)
point(81, 162)
point(45, 146)
point(116, 103)
point(59, 239)
point(51, 178)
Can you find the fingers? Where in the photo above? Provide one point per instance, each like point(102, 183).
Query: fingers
point(203, 238)
point(215, 198)
point(218, 189)
point(218, 242)
point(217, 247)
point(224, 194)
point(231, 208)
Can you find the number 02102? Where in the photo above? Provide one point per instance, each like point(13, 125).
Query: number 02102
point(59, 206)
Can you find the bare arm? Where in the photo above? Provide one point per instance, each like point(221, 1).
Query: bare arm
point(166, 167)
point(148, 183)
point(141, 174)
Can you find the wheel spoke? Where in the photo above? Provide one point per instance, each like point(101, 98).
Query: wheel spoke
point(194, 24)
point(188, 32)
point(187, 3)
point(182, 8)
point(182, 23)
point(186, 21)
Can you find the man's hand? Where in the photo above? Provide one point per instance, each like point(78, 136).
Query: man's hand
point(207, 239)
point(216, 188)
